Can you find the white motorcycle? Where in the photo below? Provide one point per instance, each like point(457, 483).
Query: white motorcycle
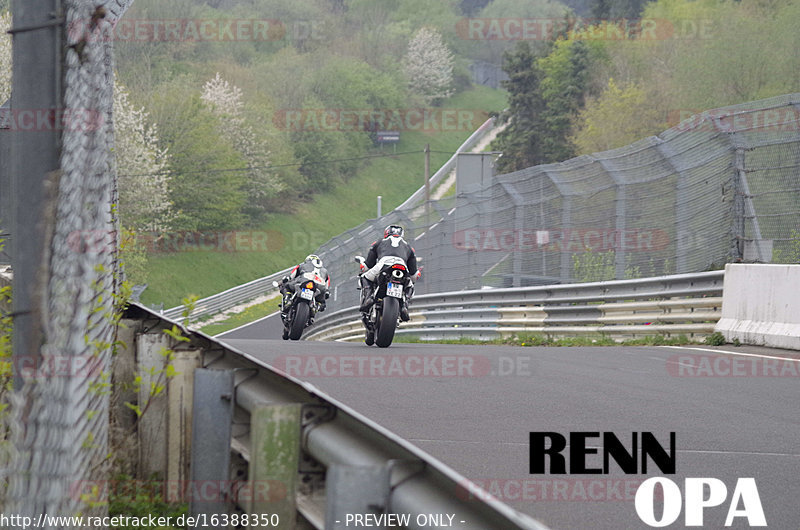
point(298, 308)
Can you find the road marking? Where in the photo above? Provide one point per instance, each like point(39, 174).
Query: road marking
point(248, 324)
point(735, 353)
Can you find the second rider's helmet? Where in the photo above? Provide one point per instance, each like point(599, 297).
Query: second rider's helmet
point(314, 260)
point(393, 230)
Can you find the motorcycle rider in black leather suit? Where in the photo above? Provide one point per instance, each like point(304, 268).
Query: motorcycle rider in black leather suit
point(392, 244)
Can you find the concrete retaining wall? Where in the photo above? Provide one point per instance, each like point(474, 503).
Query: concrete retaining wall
point(761, 305)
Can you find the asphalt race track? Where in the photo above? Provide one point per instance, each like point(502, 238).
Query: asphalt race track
point(473, 408)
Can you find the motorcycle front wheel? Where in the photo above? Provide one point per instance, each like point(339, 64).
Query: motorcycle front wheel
point(387, 322)
point(299, 320)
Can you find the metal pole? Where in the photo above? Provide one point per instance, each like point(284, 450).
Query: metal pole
point(37, 89)
point(379, 206)
point(737, 246)
point(750, 209)
point(6, 189)
point(620, 222)
point(427, 182)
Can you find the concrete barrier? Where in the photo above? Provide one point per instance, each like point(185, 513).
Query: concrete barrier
point(761, 305)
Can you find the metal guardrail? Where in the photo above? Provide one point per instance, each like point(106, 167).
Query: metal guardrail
point(225, 300)
point(341, 451)
point(240, 294)
point(682, 304)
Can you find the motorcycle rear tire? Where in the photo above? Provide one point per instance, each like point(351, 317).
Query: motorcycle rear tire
point(388, 322)
point(299, 321)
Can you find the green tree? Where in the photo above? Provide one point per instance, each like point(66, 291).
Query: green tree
point(545, 96)
point(607, 121)
point(225, 101)
point(208, 176)
point(492, 41)
point(617, 9)
point(521, 141)
point(565, 71)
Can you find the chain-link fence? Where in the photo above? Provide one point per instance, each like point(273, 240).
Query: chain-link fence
point(60, 416)
point(722, 186)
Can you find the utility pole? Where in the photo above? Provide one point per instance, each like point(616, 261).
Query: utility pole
point(427, 182)
point(35, 154)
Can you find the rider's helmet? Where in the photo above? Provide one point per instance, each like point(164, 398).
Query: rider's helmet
point(314, 260)
point(393, 230)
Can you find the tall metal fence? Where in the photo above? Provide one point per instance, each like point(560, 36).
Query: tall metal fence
point(59, 418)
point(721, 186)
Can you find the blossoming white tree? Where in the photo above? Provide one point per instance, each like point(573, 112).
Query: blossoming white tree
point(428, 65)
point(225, 100)
point(141, 167)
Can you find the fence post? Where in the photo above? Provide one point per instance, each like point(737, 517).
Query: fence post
point(566, 224)
point(620, 222)
point(738, 235)
point(212, 423)
point(354, 490)
point(274, 457)
point(36, 87)
point(749, 207)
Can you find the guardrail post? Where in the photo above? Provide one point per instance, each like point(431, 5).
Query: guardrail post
point(153, 408)
point(123, 370)
point(212, 420)
point(180, 388)
point(274, 458)
point(354, 490)
point(164, 404)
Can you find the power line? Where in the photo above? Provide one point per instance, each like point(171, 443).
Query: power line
point(251, 168)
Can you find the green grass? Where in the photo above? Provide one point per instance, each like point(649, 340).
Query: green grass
point(543, 340)
point(172, 276)
point(250, 314)
point(133, 498)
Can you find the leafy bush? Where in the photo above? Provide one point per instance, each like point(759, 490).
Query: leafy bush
point(715, 339)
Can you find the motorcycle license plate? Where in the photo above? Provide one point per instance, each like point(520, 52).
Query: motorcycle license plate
point(308, 294)
point(394, 289)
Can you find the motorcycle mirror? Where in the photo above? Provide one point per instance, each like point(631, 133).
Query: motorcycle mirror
point(274, 283)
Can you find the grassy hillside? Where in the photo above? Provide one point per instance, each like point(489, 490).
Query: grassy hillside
point(289, 238)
